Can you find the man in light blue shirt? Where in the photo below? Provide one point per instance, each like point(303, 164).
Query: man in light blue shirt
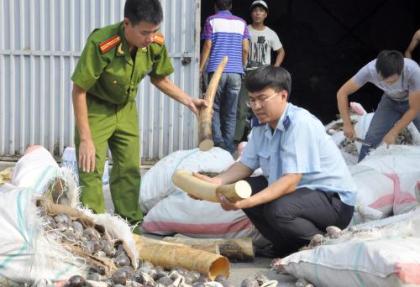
point(306, 185)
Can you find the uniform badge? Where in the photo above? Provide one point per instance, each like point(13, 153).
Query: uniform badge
point(255, 122)
point(286, 123)
point(109, 44)
point(120, 50)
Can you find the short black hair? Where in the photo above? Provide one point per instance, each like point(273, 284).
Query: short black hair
point(143, 10)
point(277, 78)
point(389, 62)
point(223, 4)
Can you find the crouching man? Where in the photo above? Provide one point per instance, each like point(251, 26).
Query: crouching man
point(399, 78)
point(306, 185)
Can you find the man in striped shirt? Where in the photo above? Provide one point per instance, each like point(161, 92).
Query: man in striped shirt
point(225, 35)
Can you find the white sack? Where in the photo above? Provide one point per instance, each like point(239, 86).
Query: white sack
point(156, 184)
point(401, 164)
point(35, 170)
point(179, 213)
point(26, 253)
point(362, 126)
point(382, 253)
point(375, 194)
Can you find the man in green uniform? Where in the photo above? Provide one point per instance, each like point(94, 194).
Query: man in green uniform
point(114, 61)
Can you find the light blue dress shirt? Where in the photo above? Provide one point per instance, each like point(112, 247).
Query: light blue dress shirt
point(299, 144)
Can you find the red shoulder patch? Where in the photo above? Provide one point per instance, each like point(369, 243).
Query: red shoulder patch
point(110, 43)
point(159, 38)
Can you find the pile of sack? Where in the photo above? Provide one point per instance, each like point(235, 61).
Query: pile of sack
point(381, 253)
point(170, 210)
point(47, 237)
point(382, 245)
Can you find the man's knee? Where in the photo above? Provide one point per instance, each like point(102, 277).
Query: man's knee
point(280, 211)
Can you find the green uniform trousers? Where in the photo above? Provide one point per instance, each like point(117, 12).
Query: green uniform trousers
point(116, 127)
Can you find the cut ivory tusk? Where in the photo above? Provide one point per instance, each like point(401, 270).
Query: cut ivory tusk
point(205, 138)
point(204, 190)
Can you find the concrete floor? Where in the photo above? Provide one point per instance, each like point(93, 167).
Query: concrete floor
point(240, 271)
point(6, 164)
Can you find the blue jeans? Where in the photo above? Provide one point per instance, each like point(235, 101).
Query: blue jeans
point(386, 115)
point(224, 110)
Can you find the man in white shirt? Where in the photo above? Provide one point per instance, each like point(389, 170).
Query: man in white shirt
point(263, 40)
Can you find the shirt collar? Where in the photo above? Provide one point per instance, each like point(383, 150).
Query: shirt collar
point(122, 48)
point(224, 12)
point(283, 123)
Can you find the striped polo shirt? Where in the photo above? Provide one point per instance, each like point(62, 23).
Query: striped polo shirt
point(226, 33)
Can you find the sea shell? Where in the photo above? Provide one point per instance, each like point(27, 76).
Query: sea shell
point(248, 282)
point(62, 218)
point(122, 260)
point(333, 232)
point(270, 283)
point(76, 281)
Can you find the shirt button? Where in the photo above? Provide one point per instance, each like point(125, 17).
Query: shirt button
point(115, 81)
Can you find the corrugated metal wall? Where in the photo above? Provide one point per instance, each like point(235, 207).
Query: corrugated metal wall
point(40, 42)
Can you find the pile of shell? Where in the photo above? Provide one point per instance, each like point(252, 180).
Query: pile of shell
point(146, 275)
point(258, 281)
point(405, 137)
point(100, 245)
point(166, 279)
point(349, 147)
point(89, 239)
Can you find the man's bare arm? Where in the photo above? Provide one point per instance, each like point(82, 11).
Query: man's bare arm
point(205, 54)
point(343, 106)
point(280, 57)
point(87, 148)
point(168, 87)
point(413, 44)
point(235, 172)
point(406, 119)
point(245, 52)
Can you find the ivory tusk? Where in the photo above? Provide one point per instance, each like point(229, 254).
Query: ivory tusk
point(205, 138)
point(201, 189)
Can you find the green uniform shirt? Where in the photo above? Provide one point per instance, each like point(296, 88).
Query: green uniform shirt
point(113, 76)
